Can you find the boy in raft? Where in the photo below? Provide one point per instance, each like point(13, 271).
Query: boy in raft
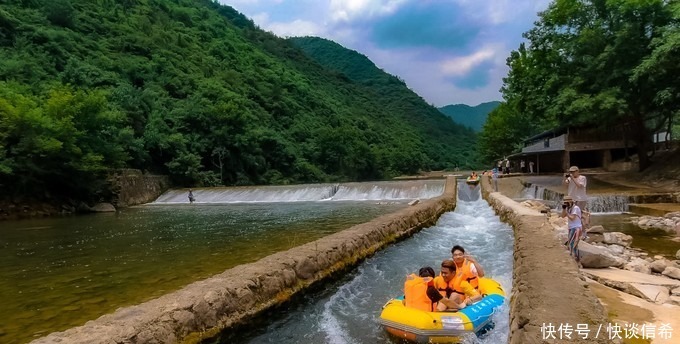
point(419, 291)
point(456, 292)
point(467, 268)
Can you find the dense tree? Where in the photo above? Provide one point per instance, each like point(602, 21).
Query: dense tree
point(600, 63)
point(195, 90)
point(503, 132)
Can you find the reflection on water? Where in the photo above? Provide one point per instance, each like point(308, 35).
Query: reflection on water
point(653, 241)
point(59, 273)
point(347, 311)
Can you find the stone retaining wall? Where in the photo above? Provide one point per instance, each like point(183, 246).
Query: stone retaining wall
point(203, 309)
point(547, 285)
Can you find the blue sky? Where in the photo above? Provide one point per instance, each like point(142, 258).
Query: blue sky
point(447, 51)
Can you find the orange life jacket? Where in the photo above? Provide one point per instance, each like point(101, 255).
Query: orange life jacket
point(464, 273)
point(415, 293)
point(446, 289)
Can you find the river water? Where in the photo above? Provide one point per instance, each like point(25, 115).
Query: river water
point(346, 311)
point(61, 272)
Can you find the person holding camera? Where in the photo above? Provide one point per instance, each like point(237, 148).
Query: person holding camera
point(573, 214)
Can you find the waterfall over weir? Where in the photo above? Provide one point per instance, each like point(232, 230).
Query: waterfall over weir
point(368, 191)
point(596, 203)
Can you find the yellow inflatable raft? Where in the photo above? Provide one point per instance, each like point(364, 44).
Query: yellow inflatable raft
point(443, 327)
point(472, 181)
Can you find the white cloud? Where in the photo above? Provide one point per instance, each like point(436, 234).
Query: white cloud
point(296, 28)
point(239, 2)
point(348, 10)
point(460, 66)
point(497, 12)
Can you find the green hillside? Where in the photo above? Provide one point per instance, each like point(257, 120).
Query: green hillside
point(446, 141)
point(470, 116)
point(195, 90)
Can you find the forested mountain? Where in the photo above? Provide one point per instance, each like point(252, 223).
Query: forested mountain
point(194, 89)
point(470, 116)
point(446, 141)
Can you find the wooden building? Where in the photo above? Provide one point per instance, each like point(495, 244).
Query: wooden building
point(555, 150)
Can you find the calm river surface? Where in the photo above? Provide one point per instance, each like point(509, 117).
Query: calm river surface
point(347, 310)
point(60, 273)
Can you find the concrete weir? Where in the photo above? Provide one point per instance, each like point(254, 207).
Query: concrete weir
point(548, 289)
point(205, 308)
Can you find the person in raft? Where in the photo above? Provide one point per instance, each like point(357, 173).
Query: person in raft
point(456, 293)
point(467, 268)
point(419, 291)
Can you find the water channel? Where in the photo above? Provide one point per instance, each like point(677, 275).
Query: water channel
point(347, 310)
point(61, 272)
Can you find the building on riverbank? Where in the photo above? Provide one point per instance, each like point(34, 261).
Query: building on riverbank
point(587, 147)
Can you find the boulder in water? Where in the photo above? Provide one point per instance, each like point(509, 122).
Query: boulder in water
point(414, 202)
point(618, 238)
point(103, 208)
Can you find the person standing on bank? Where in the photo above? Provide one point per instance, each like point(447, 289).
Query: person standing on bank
point(191, 196)
point(576, 188)
point(573, 214)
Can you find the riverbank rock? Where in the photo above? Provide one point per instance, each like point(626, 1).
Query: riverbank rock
point(103, 208)
point(677, 254)
point(652, 288)
point(638, 265)
point(659, 265)
point(651, 293)
point(596, 230)
point(672, 272)
point(618, 238)
point(536, 205)
point(597, 257)
point(669, 222)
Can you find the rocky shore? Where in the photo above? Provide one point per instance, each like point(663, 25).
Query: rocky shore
point(669, 222)
point(548, 288)
point(631, 276)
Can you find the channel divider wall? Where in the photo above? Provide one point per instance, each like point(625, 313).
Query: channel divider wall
point(204, 309)
point(548, 289)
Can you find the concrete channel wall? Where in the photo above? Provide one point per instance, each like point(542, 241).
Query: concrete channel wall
point(203, 309)
point(548, 289)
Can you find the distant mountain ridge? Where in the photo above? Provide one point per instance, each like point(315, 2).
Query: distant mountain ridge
point(470, 116)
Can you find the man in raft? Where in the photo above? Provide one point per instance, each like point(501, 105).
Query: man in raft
point(456, 292)
point(467, 268)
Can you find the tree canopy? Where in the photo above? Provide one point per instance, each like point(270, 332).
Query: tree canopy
point(194, 89)
point(598, 63)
